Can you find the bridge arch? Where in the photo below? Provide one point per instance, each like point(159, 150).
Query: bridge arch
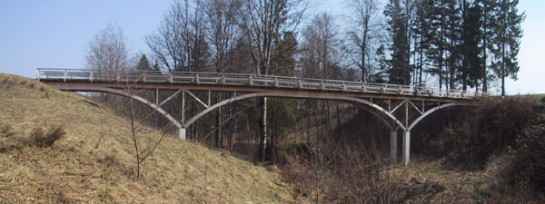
point(133, 96)
point(283, 95)
point(430, 111)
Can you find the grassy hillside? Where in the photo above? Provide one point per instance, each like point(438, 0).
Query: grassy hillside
point(94, 161)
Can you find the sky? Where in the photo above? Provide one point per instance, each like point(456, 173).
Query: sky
point(56, 33)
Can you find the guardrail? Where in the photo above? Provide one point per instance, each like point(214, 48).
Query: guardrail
point(237, 79)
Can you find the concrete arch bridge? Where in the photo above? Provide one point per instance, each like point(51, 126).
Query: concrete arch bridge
point(399, 107)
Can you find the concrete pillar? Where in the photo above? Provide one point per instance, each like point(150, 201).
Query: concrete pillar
point(393, 147)
point(181, 133)
point(406, 146)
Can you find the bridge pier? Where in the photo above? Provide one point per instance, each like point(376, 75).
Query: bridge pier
point(181, 133)
point(393, 146)
point(406, 147)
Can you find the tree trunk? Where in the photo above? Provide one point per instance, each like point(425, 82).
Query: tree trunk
point(263, 127)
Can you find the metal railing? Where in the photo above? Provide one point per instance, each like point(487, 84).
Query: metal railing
point(252, 80)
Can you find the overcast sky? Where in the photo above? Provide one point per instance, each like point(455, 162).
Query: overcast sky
point(55, 33)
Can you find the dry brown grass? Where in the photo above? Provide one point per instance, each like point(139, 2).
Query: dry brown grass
point(76, 169)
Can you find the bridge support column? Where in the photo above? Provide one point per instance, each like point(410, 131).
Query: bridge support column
point(406, 146)
point(181, 133)
point(393, 147)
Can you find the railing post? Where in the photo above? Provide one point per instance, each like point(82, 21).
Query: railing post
point(170, 78)
point(144, 76)
point(223, 79)
point(251, 81)
point(323, 85)
point(197, 79)
point(91, 76)
point(39, 74)
point(276, 84)
point(65, 74)
point(300, 83)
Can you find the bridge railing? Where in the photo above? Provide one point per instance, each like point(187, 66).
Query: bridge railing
point(239, 79)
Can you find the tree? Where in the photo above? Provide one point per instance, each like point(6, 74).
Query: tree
point(364, 12)
point(144, 143)
point(397, 18)
point(284, 116)
point(143, 64)
point(107, 50)
point(222, 23)
point(222, 32)
point(487, 35)
point(383, 65)
point(261, 23)
point(471, 49)
point(180, 42)
point(321, 45)
point(508, 33)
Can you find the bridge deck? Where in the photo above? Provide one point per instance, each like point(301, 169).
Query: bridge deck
point(240, 83)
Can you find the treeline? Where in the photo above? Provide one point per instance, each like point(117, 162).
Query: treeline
point(462, 43)
point(453, 44)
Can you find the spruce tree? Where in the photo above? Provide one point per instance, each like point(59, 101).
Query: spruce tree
point(471, 49)
point(400, 72)
point(507, 40)
point(143, 64)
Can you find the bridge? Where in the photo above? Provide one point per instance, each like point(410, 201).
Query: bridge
point(399, 107)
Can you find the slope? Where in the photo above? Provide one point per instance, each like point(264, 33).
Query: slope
point(94, 161)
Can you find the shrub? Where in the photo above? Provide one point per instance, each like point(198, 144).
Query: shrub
point(6, 131)
point(39, 138)
point(468, 139)
point(529, 163)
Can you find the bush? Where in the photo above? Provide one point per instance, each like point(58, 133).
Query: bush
point(530, 151)
point(468, 139)
point(6, 131)
point(39, 138)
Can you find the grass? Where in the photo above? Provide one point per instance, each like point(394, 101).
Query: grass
point(94, 161)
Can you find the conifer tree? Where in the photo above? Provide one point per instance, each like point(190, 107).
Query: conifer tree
point(400, 72)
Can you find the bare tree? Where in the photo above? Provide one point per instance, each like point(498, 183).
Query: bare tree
point(222, 28)
point(144, 143)
point(179, 43)
point(364, 14)
point(107, 50)
point(321, 45)
point(222, 32)
point(320, 58)
point(262, 22)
